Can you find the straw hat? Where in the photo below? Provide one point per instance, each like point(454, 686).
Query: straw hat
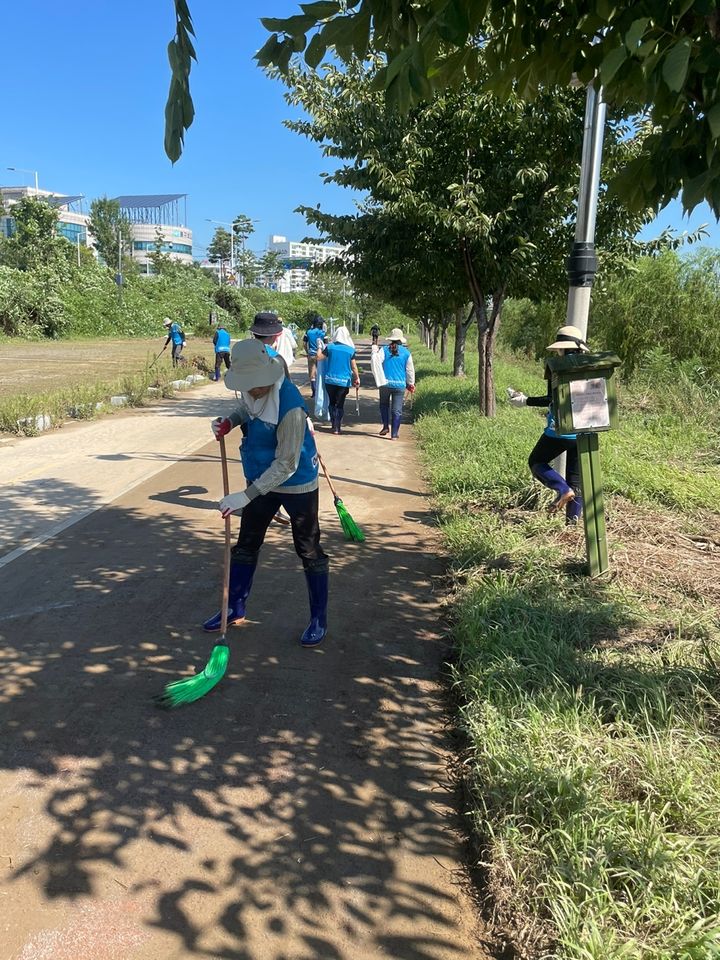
point(167, 322)
point(396, 334)
point(569, 338)
point(252, 366)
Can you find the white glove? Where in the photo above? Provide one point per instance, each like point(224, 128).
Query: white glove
point(517, 399)
point(233, 503)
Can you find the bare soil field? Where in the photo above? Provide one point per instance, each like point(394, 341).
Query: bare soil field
point(31, 368)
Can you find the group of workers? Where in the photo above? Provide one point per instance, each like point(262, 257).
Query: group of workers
point(279, 454)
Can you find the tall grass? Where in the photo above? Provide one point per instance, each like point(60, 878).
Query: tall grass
point(590, 708)
point(82, 401)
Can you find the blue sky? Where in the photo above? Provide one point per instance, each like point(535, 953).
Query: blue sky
point(84, 85)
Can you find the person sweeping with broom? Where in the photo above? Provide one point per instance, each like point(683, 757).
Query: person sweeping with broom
point(280, 463)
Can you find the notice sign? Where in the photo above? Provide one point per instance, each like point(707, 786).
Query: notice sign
point(589, 404)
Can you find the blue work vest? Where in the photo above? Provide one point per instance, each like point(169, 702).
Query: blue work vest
point(338, 371)
point(176, 334)
point(222, 343)
point(259, 445)
point(313, 335)
point(394, 367)
point(551, 431)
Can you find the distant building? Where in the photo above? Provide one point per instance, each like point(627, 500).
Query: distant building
point(72, 222)
point(153, 217)
point(298, 258)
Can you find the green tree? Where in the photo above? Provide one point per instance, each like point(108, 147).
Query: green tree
point(247, 267)
point(470, 185)
point(111, 231)
point(35, 243)
point(220, 248)
point(271, 267)
point(658, 58)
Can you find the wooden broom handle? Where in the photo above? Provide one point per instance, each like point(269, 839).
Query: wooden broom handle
point(228, 543)
point(327, 475)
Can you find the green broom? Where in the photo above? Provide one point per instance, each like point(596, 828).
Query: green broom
point(180, 692)
point(351, 530)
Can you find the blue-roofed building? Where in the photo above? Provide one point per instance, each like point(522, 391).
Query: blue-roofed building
point(157, 218)
point(72, 220)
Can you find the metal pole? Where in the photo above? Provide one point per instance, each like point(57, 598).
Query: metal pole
point(232, 251)
point(582, 262)
point(78, 248)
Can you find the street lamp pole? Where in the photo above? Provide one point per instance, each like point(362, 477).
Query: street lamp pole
point(23, 170)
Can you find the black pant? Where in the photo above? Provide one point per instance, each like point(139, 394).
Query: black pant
point(547, 448)
point(336, 395)
point(302, 509)
point(177, 356)
point(221, 356)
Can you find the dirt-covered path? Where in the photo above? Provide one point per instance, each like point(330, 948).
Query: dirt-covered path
point(303, 809)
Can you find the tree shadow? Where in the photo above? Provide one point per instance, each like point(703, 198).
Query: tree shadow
point(301, 810)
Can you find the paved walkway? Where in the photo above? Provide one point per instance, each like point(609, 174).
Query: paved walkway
point(302, 810)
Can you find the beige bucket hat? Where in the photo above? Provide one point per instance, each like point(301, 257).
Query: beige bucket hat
point(568, 338)
point(396, 334)
point(252, 366)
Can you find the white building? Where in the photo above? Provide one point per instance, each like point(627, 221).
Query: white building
point(71, 223)
point(157, 217)
point(298, 258)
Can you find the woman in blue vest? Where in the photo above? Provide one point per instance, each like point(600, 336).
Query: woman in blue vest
point(221, 342)
point(314, 336)
point(341, 372)
point(399, 372)
point(551, 444)
point(280, 463)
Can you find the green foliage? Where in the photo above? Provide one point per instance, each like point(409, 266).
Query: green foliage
point(659, 58)
point(111, 232)
point(470, 196)
point(669, 302)
point(35, 243)
point(220, 248)
point(589, 707)
point(237, 306)
point(179, 110)
point(271, 266)
point(31, 303)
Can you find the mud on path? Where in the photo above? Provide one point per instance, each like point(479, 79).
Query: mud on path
point(303, 809)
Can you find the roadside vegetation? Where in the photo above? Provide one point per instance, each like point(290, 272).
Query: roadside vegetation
point(589, 708)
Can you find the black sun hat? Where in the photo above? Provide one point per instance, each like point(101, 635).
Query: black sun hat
point(266, 325)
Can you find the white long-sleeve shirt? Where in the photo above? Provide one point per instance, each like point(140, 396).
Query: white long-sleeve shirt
point(290, 438)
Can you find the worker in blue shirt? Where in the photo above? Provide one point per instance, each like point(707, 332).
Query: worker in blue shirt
point(315, 334)
point(221, 342)
point(177, 338)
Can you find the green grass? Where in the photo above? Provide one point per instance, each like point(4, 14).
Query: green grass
point(83, 401)
point(591, 709)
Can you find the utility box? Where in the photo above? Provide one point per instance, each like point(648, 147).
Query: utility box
point(584, 392)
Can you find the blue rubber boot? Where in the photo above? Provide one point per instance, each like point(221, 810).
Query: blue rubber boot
point(318, 596)
point(395, 433)
point(241, 578)
point(385, 417)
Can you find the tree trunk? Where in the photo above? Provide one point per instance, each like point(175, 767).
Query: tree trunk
point(435, 333)
point(493, 325)
point(461, 329)
point(443, 338)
